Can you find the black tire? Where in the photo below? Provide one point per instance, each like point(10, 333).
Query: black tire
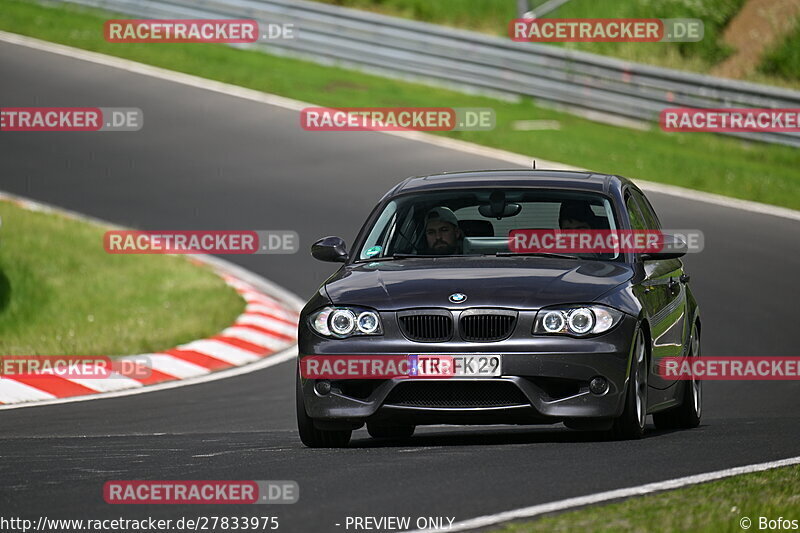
point(687, 414)
point(310, 435)
point(377, 431)
point(630, 425)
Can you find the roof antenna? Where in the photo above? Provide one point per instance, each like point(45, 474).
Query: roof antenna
point(533, 164)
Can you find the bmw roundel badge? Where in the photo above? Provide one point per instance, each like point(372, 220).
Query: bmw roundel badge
point(458, 297)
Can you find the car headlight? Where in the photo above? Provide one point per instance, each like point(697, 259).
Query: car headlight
point(576, 320)
point(553, 322)
point(368, 322)
point(342, 322)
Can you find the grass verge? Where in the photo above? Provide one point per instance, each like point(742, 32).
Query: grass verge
point(716, 507)
point(754, 171)
point(699, 56)
point(62, 294)
point(784, 60)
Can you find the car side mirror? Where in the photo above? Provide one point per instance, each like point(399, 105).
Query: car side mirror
point(672, 247)
point(331, 249)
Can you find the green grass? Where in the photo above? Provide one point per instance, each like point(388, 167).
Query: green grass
point(715, 507)
point(784, 60)
point(699, 56)
point(62, 294)
point(755, 171)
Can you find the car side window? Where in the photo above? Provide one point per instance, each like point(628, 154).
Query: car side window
point(376, 240)
point(637, 221)
point(404, 235)
point(649, 215)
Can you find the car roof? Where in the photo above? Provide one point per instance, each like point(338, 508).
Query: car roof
point(558, 179)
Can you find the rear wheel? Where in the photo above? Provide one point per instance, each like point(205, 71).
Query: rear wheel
point(687, 414)
point(630, 425)
point(310, 435)
point(378, 431)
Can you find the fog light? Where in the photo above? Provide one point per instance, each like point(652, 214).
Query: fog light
point(598, 385)
point(323, 387)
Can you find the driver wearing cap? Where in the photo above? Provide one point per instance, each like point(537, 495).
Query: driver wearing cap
point(442, 233)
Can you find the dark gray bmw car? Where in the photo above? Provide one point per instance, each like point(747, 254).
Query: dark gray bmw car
point(529, 337)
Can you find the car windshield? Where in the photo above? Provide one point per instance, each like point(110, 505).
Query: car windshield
point(468, 222)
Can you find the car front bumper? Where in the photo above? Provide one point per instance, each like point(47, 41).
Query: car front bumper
point(545, 380)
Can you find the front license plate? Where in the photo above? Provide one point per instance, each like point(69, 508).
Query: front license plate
point(434, 365)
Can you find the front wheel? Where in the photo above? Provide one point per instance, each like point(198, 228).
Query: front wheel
point(310, 435)
point(687, 414)
point(630, 425)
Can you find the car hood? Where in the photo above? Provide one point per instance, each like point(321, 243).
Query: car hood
point(515, 282)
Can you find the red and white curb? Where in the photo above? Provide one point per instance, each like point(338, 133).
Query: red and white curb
point(263, 335)
point(267, 326)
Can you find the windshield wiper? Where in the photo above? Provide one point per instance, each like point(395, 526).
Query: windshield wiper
point(422, 256)
point(417, 256)
point(401, 256)
point(536, 254)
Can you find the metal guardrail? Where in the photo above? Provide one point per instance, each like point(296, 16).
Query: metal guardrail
point(457, 57)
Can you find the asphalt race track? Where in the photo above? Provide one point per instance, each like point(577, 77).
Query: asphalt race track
point(209, 161)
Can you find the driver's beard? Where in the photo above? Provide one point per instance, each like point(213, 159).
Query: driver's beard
point(448, 249)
